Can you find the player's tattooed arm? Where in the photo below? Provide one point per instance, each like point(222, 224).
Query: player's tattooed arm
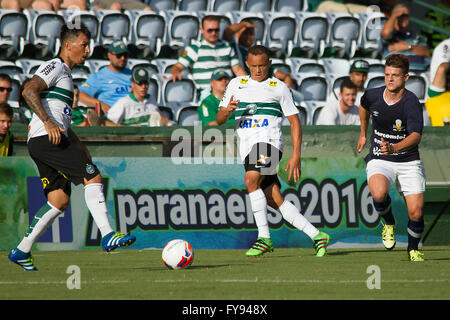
point(31, 95)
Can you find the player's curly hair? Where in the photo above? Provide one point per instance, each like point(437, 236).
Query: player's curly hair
point(397, 60)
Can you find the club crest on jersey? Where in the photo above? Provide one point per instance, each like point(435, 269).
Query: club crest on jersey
point(253, 123)
point(398, 125)
point(251, 108)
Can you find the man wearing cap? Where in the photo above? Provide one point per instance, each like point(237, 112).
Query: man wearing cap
point(110, 83)
point(207, 111)
point(138, 108)
point(358, 75)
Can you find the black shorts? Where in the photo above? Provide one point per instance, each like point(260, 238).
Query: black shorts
point(61, 164)
point(264, 158)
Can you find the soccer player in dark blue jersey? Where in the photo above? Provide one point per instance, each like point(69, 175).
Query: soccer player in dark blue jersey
point(397, 123)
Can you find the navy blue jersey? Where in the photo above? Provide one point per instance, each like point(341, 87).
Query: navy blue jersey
point(393, 123)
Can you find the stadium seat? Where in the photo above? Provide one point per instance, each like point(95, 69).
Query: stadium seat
point(224, 6)
point(313, 88)
point(418, 84)
point(301, 66)
point(96, 64)
point(13, 33)
point(312, 34)
point(15, 85)
point(193, 5)
point(281, 33)
point(142, 63)
point(161, 5)
point(166, 111)
point(256, 18)
point(286, 6)
point(114, 25)
point(257, 5)
point(81, 71)
point(154, 88)
point(302, 116)
point(344, 34)
point(88, 18)
point(10, 68)
point(279, 64)
point(188, 116)
point(335, 84)
point(313, 110)
point(183, 27)
point(44, 32)
point(148, 33)
point(163, 65)
point(336, 66)
point(28, 66)
point(375, 81)
point(371, 26)
point(183, 90)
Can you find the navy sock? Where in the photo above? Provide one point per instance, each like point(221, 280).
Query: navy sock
point(384, 209)
point(415, 230)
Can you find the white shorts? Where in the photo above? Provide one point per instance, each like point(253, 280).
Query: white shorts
point(410, 176)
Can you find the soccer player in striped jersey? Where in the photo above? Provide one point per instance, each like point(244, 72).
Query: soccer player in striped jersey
point(59, 155)
point(259, 103)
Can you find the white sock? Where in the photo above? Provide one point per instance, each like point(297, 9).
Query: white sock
point(95, 200)
point(294, 217)
point(42, 220)
point(259, 208)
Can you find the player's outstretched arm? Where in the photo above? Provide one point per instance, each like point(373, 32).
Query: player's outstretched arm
point(224, 113)
point(31, 95)
point(364, 120)
point(294, 163)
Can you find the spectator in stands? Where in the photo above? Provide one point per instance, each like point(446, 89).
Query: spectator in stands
point(440, 55)
point(398, 39)
point(119, 5)
point(138, 108)
point(438, 19)
point(207, 111)
point(438, 103)
point(50, 5)
point(6, 138)
point(110, 83)
point(344, 111)
point(339, 6)
point(5, 87)
point(241, 36)
point(83, 116)
point(206, 56)
point(358, 75)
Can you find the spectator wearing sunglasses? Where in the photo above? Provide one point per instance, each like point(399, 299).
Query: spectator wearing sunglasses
point(206, 56)
point(111, 82)
point(5, 87)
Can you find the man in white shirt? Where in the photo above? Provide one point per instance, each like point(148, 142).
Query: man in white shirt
point(344, 111)
point(138, 108)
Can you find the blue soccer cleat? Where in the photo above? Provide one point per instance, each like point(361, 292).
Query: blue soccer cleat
point(114, 240)
point(22, 259)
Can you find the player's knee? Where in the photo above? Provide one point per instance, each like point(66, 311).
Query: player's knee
point(415, 212)
point(251, 184)
point(378, 195)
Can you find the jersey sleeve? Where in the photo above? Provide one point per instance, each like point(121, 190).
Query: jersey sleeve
point(188, 57)
point(414, 116)
point(117, 112)
point(287, 101)
point(229, 92)
point(365, 101)
point(50, 72)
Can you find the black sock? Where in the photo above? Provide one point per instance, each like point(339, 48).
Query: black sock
point(415, 230)
point(384, 209)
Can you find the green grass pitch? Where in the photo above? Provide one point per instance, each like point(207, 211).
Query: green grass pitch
point(290, 274)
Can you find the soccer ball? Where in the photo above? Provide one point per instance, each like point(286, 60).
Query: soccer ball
point(177, 254)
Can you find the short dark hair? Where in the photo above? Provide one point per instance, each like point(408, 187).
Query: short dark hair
point(5, 77)
point(397, 60)
point(6, 109)
point(347, 83)
point(70, 32)
point(210, 17)
point(257, 50)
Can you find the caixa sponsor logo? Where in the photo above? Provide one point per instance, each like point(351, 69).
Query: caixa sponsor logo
point(253, 123)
